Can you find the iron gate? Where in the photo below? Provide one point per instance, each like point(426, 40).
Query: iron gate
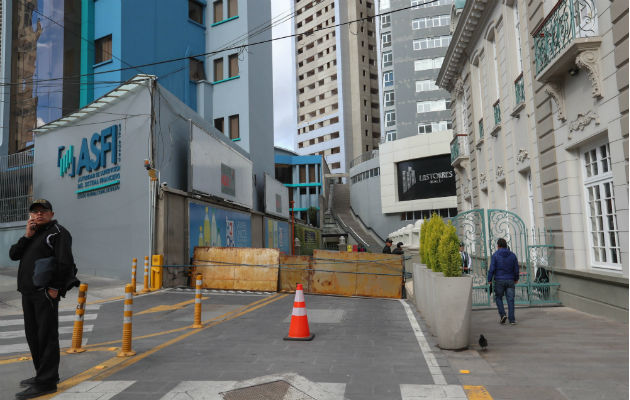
point(532, 248)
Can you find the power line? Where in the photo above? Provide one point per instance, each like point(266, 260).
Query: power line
point(238, 47)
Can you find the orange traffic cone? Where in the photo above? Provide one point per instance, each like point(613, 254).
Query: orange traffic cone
point(299, 321)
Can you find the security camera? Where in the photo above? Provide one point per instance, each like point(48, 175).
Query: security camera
point(163, 184)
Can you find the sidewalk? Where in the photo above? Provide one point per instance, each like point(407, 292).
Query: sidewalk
point(554, 353)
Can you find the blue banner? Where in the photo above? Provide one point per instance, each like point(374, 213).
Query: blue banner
point(217, 227)
point(277, 235)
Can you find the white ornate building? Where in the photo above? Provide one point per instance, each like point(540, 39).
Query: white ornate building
point(540, 121)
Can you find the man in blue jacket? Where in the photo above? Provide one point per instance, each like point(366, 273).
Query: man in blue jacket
point(504, 270)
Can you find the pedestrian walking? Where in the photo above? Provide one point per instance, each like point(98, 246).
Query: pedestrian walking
point(45, 272)
point(465, 259)
point(504, 270)
point(398, 249)
point(388, 246)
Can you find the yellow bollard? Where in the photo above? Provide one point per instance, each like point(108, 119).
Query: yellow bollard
point(125, 350)
point(134, 264)
point(77, 331)
point(157, 261)
point(145, 289)
point(197, 323)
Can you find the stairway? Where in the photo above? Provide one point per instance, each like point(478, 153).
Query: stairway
point(348, 222)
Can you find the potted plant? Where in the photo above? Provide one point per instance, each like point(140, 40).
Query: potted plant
point(443, 295)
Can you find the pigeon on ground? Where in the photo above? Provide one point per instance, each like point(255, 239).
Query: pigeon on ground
point(483, 342)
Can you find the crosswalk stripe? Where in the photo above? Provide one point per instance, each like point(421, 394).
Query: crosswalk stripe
point(93, 390)
point(23, 347)
point(62, 318)
point(438, 392)
point(62, 330)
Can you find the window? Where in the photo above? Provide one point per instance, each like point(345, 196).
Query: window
point(600, 204)
point(218, 123)
point(390, 118)
point(431, 22)
point(391, 135)
point(426, 85)
point(431, 43)
point(234, 132)
point(426, 3)
point(195, 11)
point(233, 65)
point(387, 58)
point(103, 49)
point(432, 105)
point(388, 78)
point(517, 32)
point(217, 7)
point(386, 21)
point(232, 8)
point(335, 165)
point(389, 98)
point(437, 126)
point(218, 69)
point(197, 72)
point(386, 39)
point(428, 63)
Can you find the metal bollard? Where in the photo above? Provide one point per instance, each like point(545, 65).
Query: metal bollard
point(77, 331)
point(145, 289)
point(197, 323)
point(125, 350)
point(134, 264)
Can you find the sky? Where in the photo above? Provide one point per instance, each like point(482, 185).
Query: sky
point(284, 101)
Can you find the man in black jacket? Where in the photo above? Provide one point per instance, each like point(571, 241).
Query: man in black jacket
point(44, 238)
point(388, 246)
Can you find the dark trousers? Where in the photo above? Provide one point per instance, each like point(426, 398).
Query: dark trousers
point(41, 323)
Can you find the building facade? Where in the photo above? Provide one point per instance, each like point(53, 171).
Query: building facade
point(337, 81)
point(541, 129)
point(412, 44)
point(214, 72)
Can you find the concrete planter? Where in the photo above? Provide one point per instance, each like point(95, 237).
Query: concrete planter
point(452, 305)
point(446, 305)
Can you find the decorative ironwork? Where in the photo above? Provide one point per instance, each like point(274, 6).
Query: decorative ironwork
point(519, 89)
point(16, 186)
point(497, 113)
point(454, 149)
point(569, 19)
point(481, 128)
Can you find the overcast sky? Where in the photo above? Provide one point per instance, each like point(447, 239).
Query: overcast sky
point(284, 102)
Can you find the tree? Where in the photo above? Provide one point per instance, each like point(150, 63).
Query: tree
point(423, 240)
point(448, 250)
point(312, 216)
point(436, 225)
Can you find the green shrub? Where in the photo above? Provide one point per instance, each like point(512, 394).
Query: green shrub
point(436, 225)
point(448, 251)
point(423, 240)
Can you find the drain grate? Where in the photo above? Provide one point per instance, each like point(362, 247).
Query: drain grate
point(276, 390)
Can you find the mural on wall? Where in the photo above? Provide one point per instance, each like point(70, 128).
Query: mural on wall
point(277, 235)
point(217, 227)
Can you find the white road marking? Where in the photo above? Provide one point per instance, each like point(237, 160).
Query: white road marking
point(420, 392)
point(436, 372)
point(94, 390)
point(62, 318)
point(62, 330)
point(23, 347)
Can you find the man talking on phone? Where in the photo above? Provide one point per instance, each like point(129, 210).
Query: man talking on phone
point(46, 262)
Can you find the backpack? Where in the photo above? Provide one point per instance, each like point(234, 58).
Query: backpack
point(69, 281)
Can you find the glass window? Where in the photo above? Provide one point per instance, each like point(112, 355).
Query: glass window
point(195, 11)
point(388, 78)
point(391, 135)
point(426, 85)
point(390, 118)
point(234, 128)
point(218, 69)
point(387, 58)
point(217, 8)
point(386, 39)
point(218, 123)
point(103, 49)
point(389, 98)
point(233, 65)
point(386, 20)
point(196, 72)
point(601, 210)
point(424, 64)
point(232, 8)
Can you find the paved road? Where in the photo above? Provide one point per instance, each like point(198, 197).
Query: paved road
point(363, 349)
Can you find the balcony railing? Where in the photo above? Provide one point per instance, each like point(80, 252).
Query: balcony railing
point(454, 149)
point(497, 113)
point(567, 21)
point(363, 158)
point(16, 186)
point(481, 129)
point(519, 89)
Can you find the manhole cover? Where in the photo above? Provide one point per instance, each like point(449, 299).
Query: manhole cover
point(276, 390)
